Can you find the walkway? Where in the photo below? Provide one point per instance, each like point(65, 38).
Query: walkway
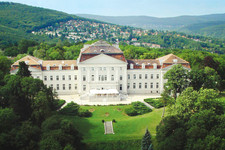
point(146, 104)
point(131, 98)
point(108, 127)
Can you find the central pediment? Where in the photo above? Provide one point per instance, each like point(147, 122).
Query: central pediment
point(103, 59)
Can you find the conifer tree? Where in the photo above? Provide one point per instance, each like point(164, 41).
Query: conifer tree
point(146, 141)
point(23, 70)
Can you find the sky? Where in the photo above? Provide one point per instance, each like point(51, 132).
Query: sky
point(154, 8)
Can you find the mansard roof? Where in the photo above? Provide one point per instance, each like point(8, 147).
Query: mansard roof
point(101, 47)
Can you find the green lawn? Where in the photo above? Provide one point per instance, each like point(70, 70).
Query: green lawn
point(125, 128)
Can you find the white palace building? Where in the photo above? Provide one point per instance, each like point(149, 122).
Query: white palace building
point(102, 72)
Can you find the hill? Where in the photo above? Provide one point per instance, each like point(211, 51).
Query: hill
point(181, 23)
point(17, 21)
point(148, 22)
point(214, 29)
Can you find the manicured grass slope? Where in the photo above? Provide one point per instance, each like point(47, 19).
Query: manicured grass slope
point(125, 128)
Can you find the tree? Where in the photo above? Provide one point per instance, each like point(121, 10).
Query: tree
point(197, 122)
point(177, 80)
point(146, 140)
point(165, 99)
point(209, 62)
point(197, 78)
point(212, 79)
point(23, 70)
point(4, 68)
point(170, 134)
point(8, 119)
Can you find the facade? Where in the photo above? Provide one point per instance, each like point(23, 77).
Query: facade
point(101, 70)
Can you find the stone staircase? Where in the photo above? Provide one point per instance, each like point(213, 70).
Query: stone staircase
point(108, 127)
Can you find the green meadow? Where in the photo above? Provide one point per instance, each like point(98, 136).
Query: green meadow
point(128, 130)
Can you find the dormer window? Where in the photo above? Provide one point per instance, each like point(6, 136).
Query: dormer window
point(60, 67)
point(72, 67)
point(143, 66)
point(174, 60)
point(27, 62)
point(154, 66)
point(48, 67)
point(131, 66)
point(102, 50)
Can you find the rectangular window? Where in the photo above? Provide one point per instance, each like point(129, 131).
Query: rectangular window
point(134, 76)
point(75, 86)
point(45, 78)
point(139, 85)
point(121, 68)
point(38, 77)
point(92, 68)
point(140, 76)
point(151, 76)
point(100, 68)
point(134, 85)
point(102, 78)
point(105, 77)
point(157, 85)
point(51, 77)
point(69, 77)
point(63, 77)
point(75, 77)
point(64, 87)
point(146, 85)
point(84, 87)
point(99, 78)
point(57, 77)
point(151, 85)
point(57, 86)
point(112, 68)
point(104, 68)
point(146, 76)
point(121, 77)
point(128, 76)
point(69, 86)
point(52, 86)
point(128, 85)
point(157, 76)
point(92, 78)
point(83, 69)
point(112, 77)
point(121, 87)
point(84, 78)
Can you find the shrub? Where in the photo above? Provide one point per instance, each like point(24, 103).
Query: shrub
point(137, 108)
point(140, 108)
point(84, 113)
point(59, 103)
point(114, 120)
point(154, 102)
point(70, 109)
point(131, 111)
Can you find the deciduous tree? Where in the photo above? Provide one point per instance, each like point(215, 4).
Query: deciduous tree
point(177, 80)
